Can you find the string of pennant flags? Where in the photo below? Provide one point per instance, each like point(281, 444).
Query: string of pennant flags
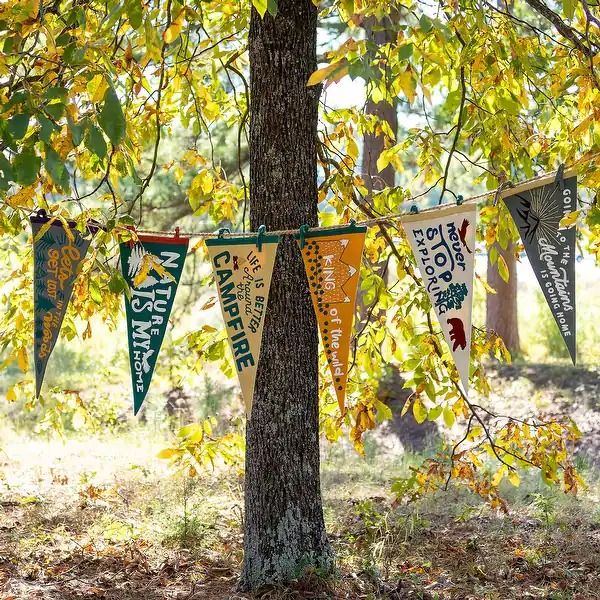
point(442, 239)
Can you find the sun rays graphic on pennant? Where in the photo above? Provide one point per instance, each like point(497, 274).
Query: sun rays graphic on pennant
point(537, 213)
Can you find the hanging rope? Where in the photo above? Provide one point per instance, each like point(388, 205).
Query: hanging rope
point(502, 190)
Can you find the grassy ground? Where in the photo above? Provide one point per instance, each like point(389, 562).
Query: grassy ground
point(103, 518)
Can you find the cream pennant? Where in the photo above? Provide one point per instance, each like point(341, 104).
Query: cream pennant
point(332, 261)
point(243, 277)
point(443, 243)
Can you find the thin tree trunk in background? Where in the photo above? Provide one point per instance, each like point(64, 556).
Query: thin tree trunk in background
point(414, 437)
point(284, 525)
point(386, 111)
point(501, 308)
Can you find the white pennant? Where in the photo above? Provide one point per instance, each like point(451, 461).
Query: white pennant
point(443, 243)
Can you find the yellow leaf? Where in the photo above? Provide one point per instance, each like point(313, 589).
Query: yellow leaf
point(408, 84)
point(449, 417)
point(30, 8)
point(405, 407)
point(419, 410)
point(143, 272)
point(151, 263)
point(192, 433)
point(333, 72)
point(23, 360)
point(503, 268)
point(67, 228)
point(11, 395)
point(488, 288)
point(569, 220)
point(514, 478)
point(44, 228)
point(97, 87)
point(172, 32)
point(498, 476)
point(167, 453)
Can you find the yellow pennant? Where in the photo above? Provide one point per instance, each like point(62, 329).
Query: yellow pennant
point(243, 276)
point(332, 261)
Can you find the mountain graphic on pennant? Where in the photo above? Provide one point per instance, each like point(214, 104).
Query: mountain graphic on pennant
point(332, 262)
point(537, 213)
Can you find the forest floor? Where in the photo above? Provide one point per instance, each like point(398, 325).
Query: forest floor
point(103, 518)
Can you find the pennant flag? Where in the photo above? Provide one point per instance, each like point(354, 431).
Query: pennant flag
point(443, 243)
point(243, 275)
point(58, 249)
point(332, 262)
point(152, 269)
point(551, 251)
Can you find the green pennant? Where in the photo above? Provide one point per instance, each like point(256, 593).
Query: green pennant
point(58, 250)
point(152, 269)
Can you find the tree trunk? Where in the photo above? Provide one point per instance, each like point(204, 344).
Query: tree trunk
point(284, 525)
point(386, 111)
point(501, 308)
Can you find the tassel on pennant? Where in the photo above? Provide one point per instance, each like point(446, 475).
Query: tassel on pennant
point(537, 212)
point(152, 268)
point(332, 261)
point(443, 243)
point(58, 250)
point(243, 269)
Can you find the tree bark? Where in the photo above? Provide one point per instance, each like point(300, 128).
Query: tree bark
point(373, 145)
point(501, 307)
point(284, 525)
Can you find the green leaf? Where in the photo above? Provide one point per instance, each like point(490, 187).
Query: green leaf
point(111, 117)
point(57, 169)
point(593, 216)
point(425, 23)
point(449, 417)
point(434, 413)
point(16, 98)
point(95, 142)
point(56, 110)
point(95, 293)
point(26, 167)
point(6, 173)
point(405, 52)
point(260, 6)
point(17, 125)
point(272, 7)
point(569, 8)
point(77, 130)
point(348, 6)
point(56, 93)
point(47, 127)
point(135, 13)
point(117, 283)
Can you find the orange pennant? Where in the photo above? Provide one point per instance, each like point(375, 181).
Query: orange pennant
point(332, 262)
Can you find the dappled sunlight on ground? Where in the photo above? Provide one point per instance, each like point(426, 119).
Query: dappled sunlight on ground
point(102, 517)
